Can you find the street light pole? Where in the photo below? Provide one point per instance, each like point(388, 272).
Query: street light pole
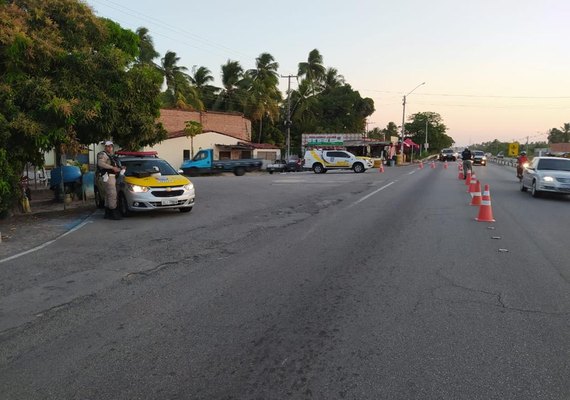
point(404, 118)
point(426, 144)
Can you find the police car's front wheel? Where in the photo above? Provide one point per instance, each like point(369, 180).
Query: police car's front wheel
point(358, 168)
point(318, 168)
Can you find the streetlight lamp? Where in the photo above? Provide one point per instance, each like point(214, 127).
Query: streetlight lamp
point(404, 118)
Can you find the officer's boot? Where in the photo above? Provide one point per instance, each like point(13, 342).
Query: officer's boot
point(116, 214)
point(107, 213)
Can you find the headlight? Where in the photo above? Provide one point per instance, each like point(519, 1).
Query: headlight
point(548, 179)
point(189, 187)
point(137, 188)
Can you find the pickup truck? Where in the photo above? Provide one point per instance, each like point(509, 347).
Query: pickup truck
point(320, 161)
point(204, 163)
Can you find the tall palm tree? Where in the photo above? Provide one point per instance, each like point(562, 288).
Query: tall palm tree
point(173, 73)
point(313, 70)
point(147, 53)
point(200, 78)
point(263, 94)
point(229, 98)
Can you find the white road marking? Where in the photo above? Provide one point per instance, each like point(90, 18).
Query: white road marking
point(372, 194)
point(79, 226)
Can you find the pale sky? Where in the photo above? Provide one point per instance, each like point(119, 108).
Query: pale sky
point(494, 69)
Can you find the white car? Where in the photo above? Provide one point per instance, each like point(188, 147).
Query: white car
point(320, 161)
point(547, 174)
point(149, 183)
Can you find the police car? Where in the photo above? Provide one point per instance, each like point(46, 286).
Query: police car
point(320, 161)
point(148, 183)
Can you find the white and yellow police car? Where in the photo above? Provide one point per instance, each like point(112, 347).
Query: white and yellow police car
point(320, 161)
point(148, 183)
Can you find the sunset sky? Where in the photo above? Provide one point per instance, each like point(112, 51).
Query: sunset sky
point(494, 69)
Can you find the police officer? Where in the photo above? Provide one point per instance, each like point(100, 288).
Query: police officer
point(108, 167)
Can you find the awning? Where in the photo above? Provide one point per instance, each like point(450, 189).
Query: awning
point(410, 143)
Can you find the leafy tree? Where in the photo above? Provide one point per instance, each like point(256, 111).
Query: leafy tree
point(390, 130)
point(559, 135)
point(340, 110)
point(386, 133)
point(437, 139)
point(65, 80)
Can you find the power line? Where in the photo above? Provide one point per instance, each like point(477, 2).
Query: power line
point(167, 26)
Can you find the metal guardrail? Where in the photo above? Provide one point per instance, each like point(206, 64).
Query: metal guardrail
point(509, 162)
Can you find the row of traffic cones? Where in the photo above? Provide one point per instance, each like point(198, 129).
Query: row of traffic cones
point(482, 200)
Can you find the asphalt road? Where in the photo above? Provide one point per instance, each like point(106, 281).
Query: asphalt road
point(301, 286)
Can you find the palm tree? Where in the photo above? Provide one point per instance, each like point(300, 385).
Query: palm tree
point(173, 73)
point(232, 80)
point(192, 129)
point(200, 78)
point(313, 70)
point(147, 53)
point(332, 79)
point(263, 94)
point(179, 92)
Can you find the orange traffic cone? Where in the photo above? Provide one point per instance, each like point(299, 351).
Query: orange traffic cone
point(381, 169)
point(445, 166)
point(460, 176)
point(472, 184)
point(476, 195)
point(421, 165)
point(467, 178)
point(433, 165)
point(485, 210)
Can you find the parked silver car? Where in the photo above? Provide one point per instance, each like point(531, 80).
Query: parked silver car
point(547, 174)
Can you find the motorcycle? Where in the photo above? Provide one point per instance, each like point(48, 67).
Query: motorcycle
point(520, 169)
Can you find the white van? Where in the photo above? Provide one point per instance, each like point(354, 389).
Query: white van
point(320, 161)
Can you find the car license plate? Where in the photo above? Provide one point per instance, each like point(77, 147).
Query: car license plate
point(169, 202)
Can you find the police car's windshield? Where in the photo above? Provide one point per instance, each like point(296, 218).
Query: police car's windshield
point(137, 167)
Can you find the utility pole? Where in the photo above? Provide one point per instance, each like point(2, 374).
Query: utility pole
point(288, 122)
point(426, 144)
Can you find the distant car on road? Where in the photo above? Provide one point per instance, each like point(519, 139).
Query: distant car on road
point(500, 154)
point(479, 157)
point(447, 155)
point(547, 174)
point(285, 166)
